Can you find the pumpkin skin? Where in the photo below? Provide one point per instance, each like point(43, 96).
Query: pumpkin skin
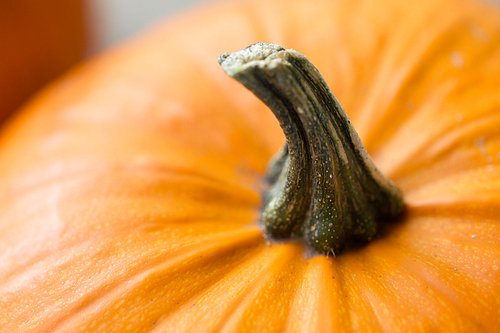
point(40, 40)
point(130, 191)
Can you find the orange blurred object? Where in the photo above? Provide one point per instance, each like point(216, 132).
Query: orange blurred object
point(39, 40)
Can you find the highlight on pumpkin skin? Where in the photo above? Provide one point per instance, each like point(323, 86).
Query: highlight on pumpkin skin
point(324, 187)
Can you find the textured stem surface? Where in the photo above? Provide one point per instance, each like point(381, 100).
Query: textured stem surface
point(325, 187)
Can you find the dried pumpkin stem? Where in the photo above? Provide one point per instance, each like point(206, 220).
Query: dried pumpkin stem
point(324, 187)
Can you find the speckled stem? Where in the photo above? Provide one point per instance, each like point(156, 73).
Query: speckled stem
point(324, 187)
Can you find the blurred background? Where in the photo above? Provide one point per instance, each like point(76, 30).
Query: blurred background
point(41, 39)
point(118, 19)
point(115, 20)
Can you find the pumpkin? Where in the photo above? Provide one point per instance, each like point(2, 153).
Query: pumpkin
point(131, 191)
point(40, 40)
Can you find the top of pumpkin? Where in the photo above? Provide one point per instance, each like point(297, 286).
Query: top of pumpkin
point(130, 191)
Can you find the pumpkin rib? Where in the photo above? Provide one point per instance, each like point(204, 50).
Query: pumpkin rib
point(372, 43)
point(352, 66)
point(176, 174)
point(413, 292)
point(232, 297)
point(362, 314)
point(399, 77)
point(470, 244)
point(442, 245)
point(432, 53)
point(85, 305)
point(453, 95)
point(36, 200)
point(460, 189)
point(279, 285)
point(186, 321)
point(419, 196)
point(397, 165)
point(451, 248)
point(422, 122)
point(342, 293)
point(219, 219)
point(484, 211)
point(231, 316)
point(318, 289)
point(199, 255)
point(441, 284)
point(446, 143)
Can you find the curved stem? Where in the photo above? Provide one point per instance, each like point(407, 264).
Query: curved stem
point(324, 186)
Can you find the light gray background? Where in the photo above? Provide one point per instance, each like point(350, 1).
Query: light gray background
point(115, 20)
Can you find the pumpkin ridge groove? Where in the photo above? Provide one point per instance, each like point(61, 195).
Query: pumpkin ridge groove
point(484, 210)
point(434, 149)
point(379, 97)
point(357, 303)
point(444, 289)
point(456, 29)
point(275, 258)
point(260, 289)
point(142, 276)
point(405, 265)
point(225, 325)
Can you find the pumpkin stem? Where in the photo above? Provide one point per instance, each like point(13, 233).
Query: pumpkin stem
point(324, 187)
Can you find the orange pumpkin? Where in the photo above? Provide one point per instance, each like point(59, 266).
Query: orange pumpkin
point(130, 192)
point(40, 40)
